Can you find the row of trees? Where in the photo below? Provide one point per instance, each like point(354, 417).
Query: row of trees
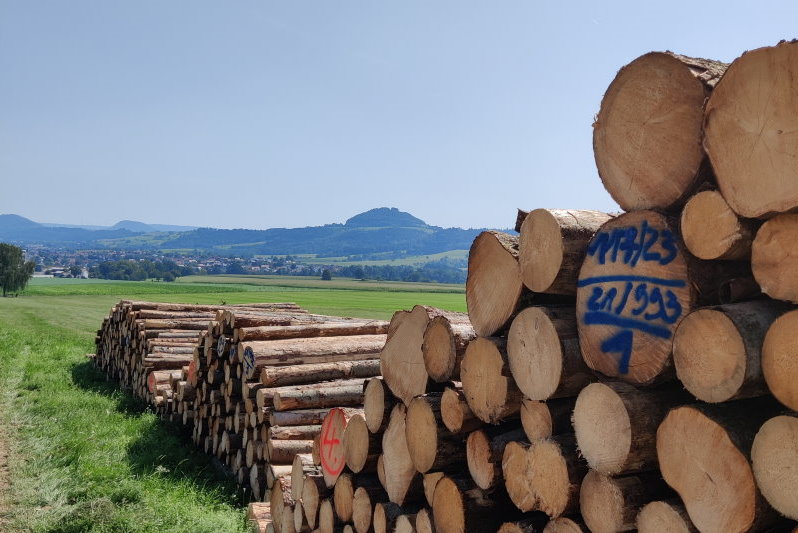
point(127, 270)
point(15, 272)
point(436, 272)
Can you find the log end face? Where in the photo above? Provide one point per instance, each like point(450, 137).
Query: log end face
point(356, 443)
point(535, 354)
point(601, 503)
point(451, 410)
point(710, 228)
point(361, 511)
point(343, 497)
point(661, 517)
point(478, 453)
point(536, 420)
point(747, 123)
point(493, 286)
point(448, 509)
point(422, 434)
point(540, 250)
point(709, 355)
point(514, 469)
point(700, 462)
point(374, 404)
point(401, 359)
point(549, 477)
point(647, 137)
point(773, 260)
point(779, 363)
point(603, 428)
point(562, 525)
point(439, 350)
point(774, 457)
point(484, 386)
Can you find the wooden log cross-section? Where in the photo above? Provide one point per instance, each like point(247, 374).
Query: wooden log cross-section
point(779, 363)
point(635, 285)
point(647, 136)
point(773, 259)
point(711, 230)
point(750, 131)
point(717, 350)
point(552, 246)
point(488, 386)
point(774, 456)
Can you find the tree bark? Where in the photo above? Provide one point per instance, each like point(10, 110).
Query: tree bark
point(314, 373)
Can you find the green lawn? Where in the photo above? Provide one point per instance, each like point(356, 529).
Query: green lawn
point(87, 457)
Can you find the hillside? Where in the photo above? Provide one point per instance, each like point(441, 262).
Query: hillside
point(379, 230)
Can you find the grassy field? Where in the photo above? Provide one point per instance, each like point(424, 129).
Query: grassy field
point(85, 456)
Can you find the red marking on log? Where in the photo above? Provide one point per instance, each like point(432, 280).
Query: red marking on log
point(331, 450)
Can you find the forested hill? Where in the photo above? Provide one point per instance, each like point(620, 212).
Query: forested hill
point(375, 231)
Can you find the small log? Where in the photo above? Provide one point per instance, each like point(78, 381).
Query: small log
point(484, 456)
point(406, 523)
point(635, 285)
point(328, 521)
point(314, 373)
point(430, 481)
point(314, 490)
point(361, 448)
point(385, 516)
point(458, 506)
point(301, 465)
point(293, 432)
point(703, 452)
point(343, 496)
point(362, 508)
point(774, 456)
point(664, 516)
point(322, 329)
point(543, 419)
point(562, 524)
point(554, 473)
point(544, 355)
point(711, 230)
point(717, 350)
point(282, 452)
point(424, 522)
point(444, 347)
point(610, 504)
point(488, 386)
point(332, 452)
point(430, 445)
point(514, 468)
point(402, 482)
point(334, 395)
point(455, 412)
point(533, 524)
point(647, 135)
point(616, 425)
point(779, 364)
point(301, 417)
point(378, 402)
point(748, 123)
point(552, 246)
point(772, 258)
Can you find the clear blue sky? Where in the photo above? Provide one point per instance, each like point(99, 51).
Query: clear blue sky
point(261, 114)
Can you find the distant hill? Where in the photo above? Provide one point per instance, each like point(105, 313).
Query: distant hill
point(375, 231)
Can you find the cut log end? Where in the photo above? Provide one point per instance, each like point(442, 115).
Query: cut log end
point(478, 453)
point(536, 420)
point(647, 136)
point(774, 457)
point(448, 508)
point(494, 285)
point(603, 429)
point(779, 364)
point(422, 434)
point(709, 355)
point(698, 460)
point(490, 391)
point(401, 359)
point(343, 497)
point(773, 260)
point(540, 250)
point(664, 517)
point(602, 504)
point(356, 443)
point(562, 525)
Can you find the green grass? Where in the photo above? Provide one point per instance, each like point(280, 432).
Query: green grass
point(85, 456)
point(307, 282)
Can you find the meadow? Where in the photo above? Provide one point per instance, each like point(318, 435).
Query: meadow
point(86, 456)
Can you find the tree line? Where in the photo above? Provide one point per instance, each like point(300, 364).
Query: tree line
point(127, 270)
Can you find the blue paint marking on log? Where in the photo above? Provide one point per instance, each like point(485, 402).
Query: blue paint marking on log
point(620, 343)
point(647, 279)
point(608, 319)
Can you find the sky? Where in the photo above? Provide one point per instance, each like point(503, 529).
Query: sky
point(259, 114)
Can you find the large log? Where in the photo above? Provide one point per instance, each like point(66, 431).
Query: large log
point(542, 419)
point(314, 373)
point(257, 354)
point(493, 288)
point(488, 385)
point(543, 351)
point(773, 260)
point(616, 425)
point(552, 246)
point(774, 456)
point(711, 230)
point(611, 504)
point(635, 285)
point(663, 516)
point(402, 482)
point(444, 345)
point(703, 452)
point(431, 446)
point(748, 131)
point(647, 136)
point(378, 402)
point(779, 364)
point(717, 350)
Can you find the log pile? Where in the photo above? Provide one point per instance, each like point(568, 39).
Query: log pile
point(614, 371)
